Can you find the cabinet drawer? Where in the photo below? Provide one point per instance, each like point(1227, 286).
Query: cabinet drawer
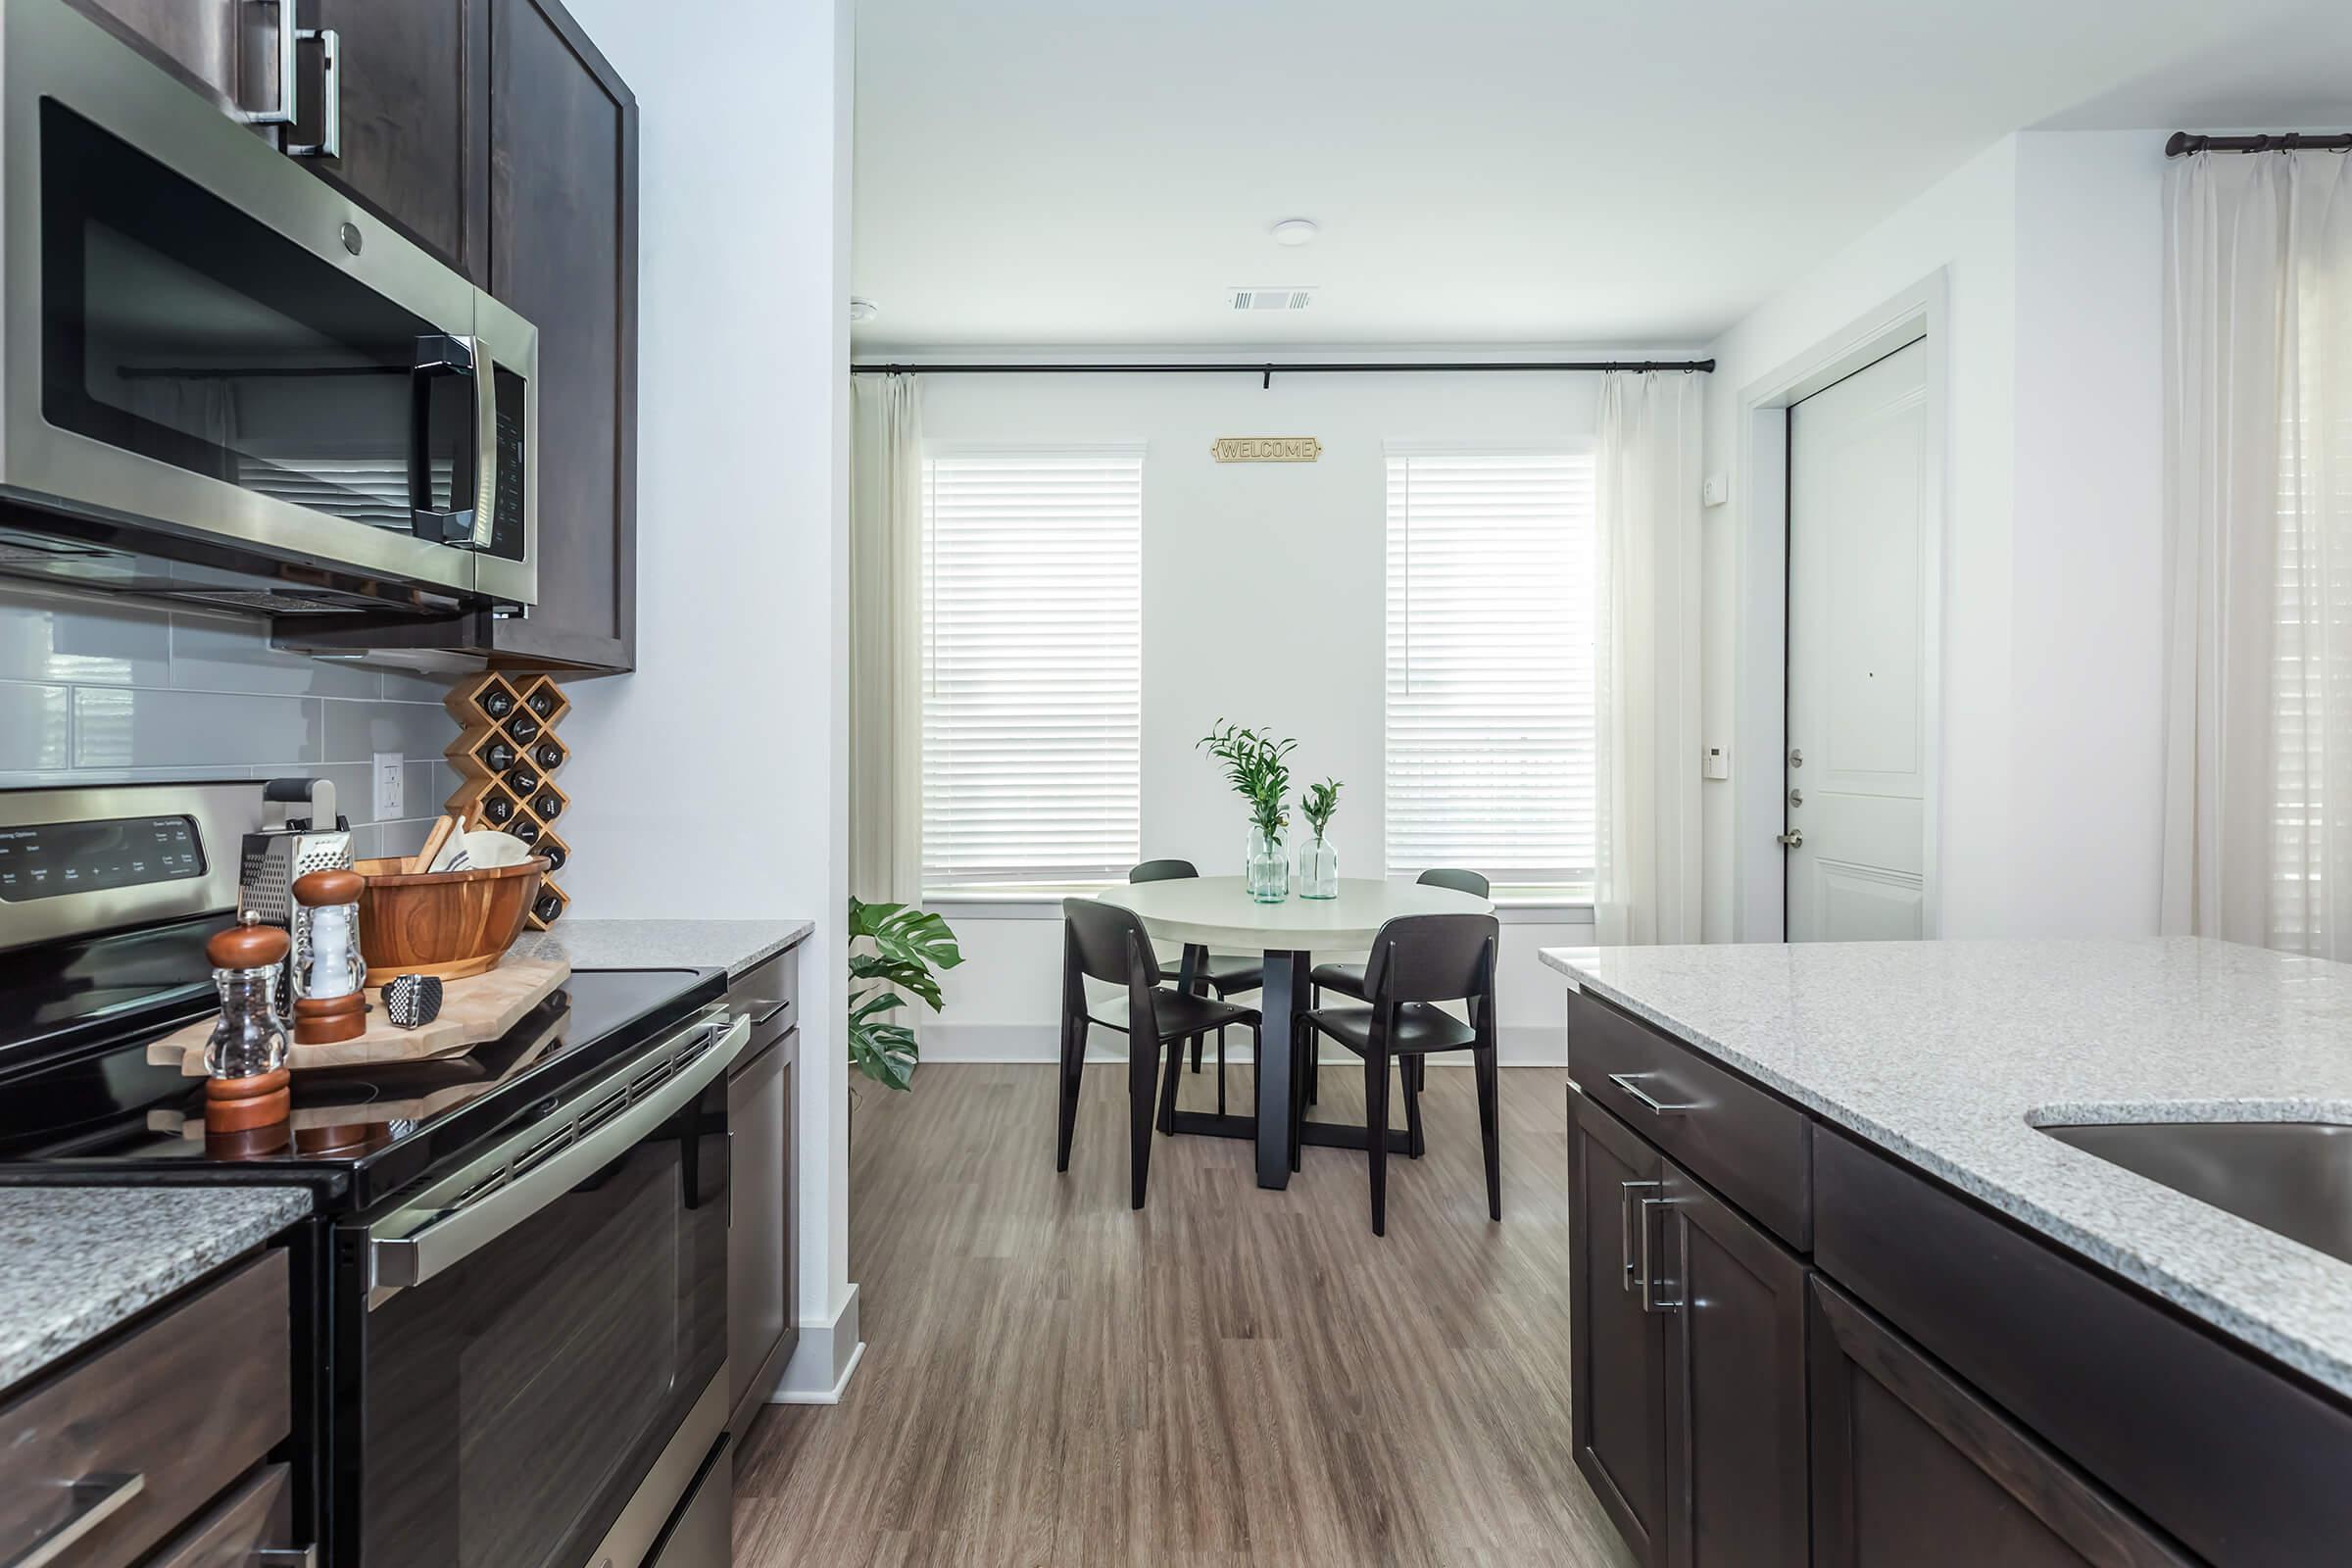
point(185, 1405)
point(257, 1518)
point(1740, 1140)
point(2239, 1462)
point(769, 993)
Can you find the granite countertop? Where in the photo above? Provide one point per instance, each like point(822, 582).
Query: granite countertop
point(730, 945)
point(1950, 1054)
point(75, 1261)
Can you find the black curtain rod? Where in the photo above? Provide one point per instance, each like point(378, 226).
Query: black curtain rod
point(1269, 371)
point(2183, 143)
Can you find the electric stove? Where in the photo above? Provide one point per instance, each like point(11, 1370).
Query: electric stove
point(509, 1307)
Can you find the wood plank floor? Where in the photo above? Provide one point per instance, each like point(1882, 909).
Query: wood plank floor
point(1229, 1376)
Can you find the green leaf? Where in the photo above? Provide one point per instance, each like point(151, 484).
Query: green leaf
point(885, 1052)
point(905, 935)
point(866, 1003)
point(898, 972)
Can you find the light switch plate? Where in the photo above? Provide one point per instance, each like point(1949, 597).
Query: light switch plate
point(1715, 490)
point(388, 792)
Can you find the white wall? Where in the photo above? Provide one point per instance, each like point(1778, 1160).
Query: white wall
point(732, 733)
point(2049, 243)
point(1263, 604)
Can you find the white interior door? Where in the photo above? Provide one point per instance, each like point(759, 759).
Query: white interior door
point(1858, 759)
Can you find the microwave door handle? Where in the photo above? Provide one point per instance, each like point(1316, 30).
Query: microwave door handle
point(438, 356)
point(485, 444)
point(398, 1261)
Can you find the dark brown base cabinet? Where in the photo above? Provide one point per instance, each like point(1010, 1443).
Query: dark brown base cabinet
point(762, 1254)
point(1688, 1333)
point(1912, 1467)
point(1809, 1351)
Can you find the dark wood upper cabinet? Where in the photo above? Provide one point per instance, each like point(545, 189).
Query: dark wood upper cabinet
point(224, 49)
point(1913, 1469)
point(495, 133)
point(414, 109)
point(563, 252)
point(1735, 1387)
point(1617, 1343)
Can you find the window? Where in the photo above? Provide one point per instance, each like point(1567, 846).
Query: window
point(1032, 667)
point(1490, 666)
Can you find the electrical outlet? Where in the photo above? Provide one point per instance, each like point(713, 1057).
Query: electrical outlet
point(388, 776)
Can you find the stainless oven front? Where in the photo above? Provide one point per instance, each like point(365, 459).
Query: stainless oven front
point(206, 346)
point(529, 1364)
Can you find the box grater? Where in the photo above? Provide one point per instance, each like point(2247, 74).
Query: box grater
point(285, 849)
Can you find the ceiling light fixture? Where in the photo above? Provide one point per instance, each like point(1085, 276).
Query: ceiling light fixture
point(1295, 231)
point(864, 310)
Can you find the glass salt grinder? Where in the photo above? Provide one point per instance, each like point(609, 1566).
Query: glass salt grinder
point(245, 1060)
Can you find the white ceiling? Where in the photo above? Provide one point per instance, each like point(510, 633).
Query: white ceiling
point(1064, 173)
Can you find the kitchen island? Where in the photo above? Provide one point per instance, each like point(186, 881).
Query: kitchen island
point(1828, 1167)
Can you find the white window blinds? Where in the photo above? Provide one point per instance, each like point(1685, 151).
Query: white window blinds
point(1032, 667)
point(1490, 666)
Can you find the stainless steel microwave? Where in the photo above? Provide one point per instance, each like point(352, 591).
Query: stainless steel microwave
point(211, 361)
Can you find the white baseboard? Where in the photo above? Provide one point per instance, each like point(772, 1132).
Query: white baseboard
point(822, 1363)
point(1520, 1046)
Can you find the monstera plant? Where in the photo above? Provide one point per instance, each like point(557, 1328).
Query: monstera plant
point(896, 950)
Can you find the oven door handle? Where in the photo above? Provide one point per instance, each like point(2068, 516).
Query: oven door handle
point(397, 1262)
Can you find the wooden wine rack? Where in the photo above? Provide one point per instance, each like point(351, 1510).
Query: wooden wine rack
point(507, 754)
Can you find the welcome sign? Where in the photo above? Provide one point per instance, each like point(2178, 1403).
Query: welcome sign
point(1268, 449)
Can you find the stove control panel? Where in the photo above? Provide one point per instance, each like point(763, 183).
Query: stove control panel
point(80, 858)
point(55, 858)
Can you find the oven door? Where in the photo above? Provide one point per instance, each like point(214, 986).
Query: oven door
point(204, 339)
point(537, 1371)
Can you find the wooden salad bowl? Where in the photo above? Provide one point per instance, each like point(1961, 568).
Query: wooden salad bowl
point(446, 923)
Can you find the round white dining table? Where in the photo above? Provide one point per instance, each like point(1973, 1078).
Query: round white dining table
point(1218, 911)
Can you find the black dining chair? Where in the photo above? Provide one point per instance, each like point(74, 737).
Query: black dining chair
point(1417, 961)
point(1225, 974)
point(1347, 979)
point(1105, 941)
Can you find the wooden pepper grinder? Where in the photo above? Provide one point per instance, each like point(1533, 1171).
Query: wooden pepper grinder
point(245, 1061)
point(333, 1004)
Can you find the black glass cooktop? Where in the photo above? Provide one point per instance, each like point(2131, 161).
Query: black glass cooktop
point(79, 1099)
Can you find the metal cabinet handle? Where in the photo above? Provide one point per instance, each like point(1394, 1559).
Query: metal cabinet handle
point(288, 95)
point(96, 1499)
point(1625, 1230)
point(330, 77)
point(1630, 1083)
point(1649, 1303)
point(760, 1010)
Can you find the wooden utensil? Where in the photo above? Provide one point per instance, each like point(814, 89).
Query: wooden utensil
point(423, 860)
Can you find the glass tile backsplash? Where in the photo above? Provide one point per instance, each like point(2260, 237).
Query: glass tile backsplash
point(96, 690)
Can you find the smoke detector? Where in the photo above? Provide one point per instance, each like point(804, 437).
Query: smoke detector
point(1269, 299)
point(1295, 231)
point(864, 310)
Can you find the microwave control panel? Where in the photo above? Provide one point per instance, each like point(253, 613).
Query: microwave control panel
point(506, 525)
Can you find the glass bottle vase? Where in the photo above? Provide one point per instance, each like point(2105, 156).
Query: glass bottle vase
point(1265, 868)
point(1318, 870)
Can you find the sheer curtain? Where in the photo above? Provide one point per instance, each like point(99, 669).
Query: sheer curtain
point(1646, 885)
point(2258, 503)
point(886, 700)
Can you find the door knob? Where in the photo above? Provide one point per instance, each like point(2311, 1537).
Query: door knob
point(1791, 838)
point(1797, 759)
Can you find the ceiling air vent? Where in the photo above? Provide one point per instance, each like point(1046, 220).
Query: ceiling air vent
point(1269, 299)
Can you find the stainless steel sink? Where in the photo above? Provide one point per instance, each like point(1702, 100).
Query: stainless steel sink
point(2292, 1177)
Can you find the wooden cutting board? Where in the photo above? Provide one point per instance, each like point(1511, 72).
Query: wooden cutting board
point(473, 1011)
